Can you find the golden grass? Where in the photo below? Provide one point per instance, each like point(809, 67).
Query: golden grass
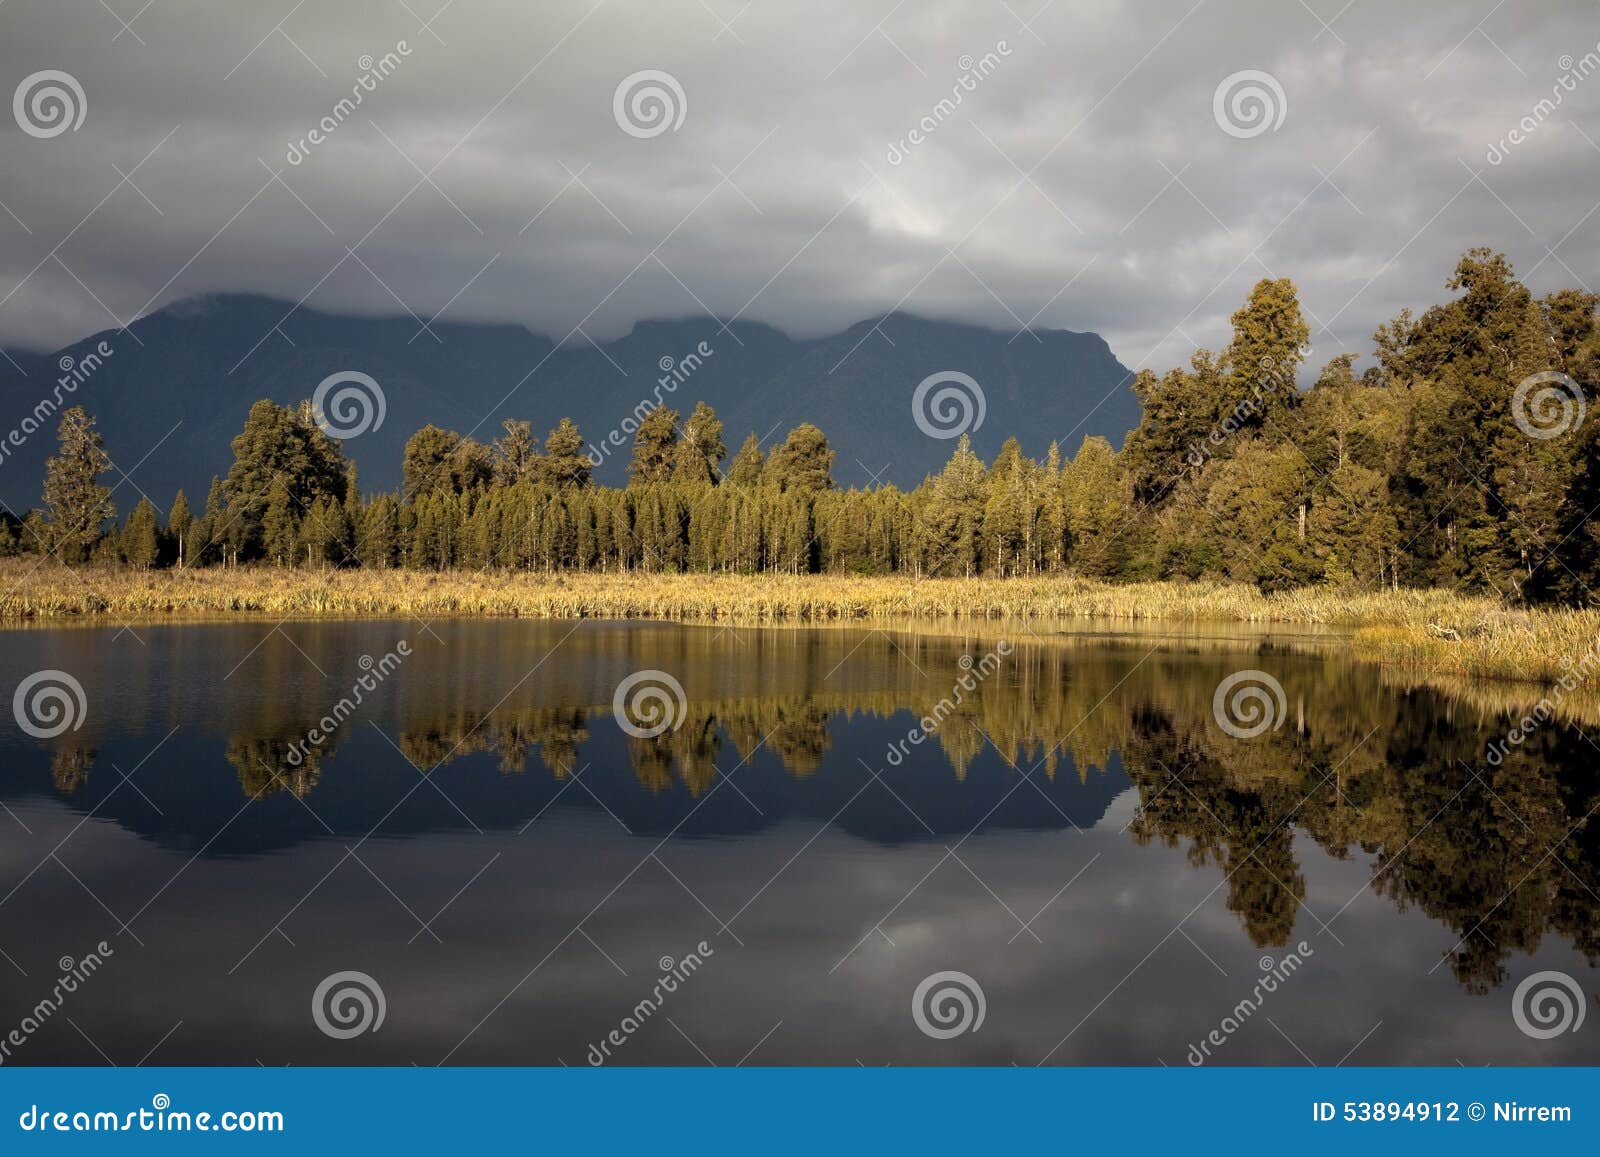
point(1395, 628)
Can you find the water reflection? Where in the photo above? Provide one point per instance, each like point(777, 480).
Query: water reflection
point(490, 727)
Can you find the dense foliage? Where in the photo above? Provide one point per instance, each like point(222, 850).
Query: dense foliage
point(1419, 472)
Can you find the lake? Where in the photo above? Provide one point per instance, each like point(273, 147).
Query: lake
point(807, 846)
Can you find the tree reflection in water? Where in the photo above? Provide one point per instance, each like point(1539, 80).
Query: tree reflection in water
point(1501, 855)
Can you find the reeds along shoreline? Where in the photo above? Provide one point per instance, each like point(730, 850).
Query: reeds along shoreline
point(1425, 632)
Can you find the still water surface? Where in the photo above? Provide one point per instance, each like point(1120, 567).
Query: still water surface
point(481, 837)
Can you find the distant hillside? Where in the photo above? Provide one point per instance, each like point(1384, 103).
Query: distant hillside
point(203, 361)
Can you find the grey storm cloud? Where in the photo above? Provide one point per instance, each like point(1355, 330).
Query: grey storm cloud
point(1082, 179)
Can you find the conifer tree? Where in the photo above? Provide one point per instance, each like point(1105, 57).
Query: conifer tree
point(804, 462)
point(566, 465)
point(515, 456)
point(280, 529)
point(324, 534)
point(654, 447)
point(179, 523)
point(1011, 512)
point(75, 502)
point(1052, 513)
point(280, 446)
point(952, 525)
point(378, 536)
point(699, 453)
point(141, 543)
point(1097, 516)
point(208, 542)
point(1270, 337)
point(437, 461)
point(745, 469)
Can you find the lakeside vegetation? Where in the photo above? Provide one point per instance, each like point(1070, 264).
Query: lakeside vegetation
point(1425, 632)
point(1438, 507)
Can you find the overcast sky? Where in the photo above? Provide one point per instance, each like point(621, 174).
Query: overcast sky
point(1085, 182)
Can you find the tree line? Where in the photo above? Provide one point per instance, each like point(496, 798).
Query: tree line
point(1440, 465)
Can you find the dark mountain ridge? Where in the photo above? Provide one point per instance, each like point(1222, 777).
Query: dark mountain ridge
point(175, 387)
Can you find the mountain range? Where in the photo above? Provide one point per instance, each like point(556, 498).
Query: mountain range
point(176, 386)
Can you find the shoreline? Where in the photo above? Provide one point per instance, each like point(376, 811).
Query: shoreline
point(1423, 633)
